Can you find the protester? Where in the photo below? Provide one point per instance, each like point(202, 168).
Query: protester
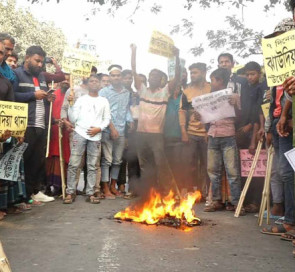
point(8, 43)
point(127, 80)
point(53, 170)
point(237, 83)
point(30, 87)
point(90, 115)
point(151, 119)
point(113, 138)
point(282, 143)
point(222, 148)
point(193, 134)
point(104, 80)
point(12, 60)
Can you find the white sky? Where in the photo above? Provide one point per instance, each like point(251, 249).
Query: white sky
point(113, 36)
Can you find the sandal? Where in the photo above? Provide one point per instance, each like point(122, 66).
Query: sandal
point(289, 235)
point(214, 206)
point(35, 203)
point(109, 196)
point(23, 206)
point(129, 195)
point(270, 230)
point(92, 199)
point(14, 210)
point(251, 208)
point(69, 199)
point(100, 195)
point(229, 207)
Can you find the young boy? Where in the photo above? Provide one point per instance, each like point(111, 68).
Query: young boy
point(222, 148)
point(90, 115)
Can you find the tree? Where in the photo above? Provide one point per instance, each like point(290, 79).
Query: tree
point(27, 30)
point(238, 38)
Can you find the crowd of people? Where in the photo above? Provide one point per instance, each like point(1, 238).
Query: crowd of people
point(124, 127)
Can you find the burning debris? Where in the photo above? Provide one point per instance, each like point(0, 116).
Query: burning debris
point(163, 211)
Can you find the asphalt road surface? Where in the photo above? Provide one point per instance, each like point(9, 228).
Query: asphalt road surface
point(84, 237)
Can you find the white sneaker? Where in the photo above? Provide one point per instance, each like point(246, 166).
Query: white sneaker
point(42, 197)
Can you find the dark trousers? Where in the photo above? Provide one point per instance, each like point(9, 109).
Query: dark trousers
point(195, 152)
point(286, 173)
point(154, 167)
point(34, 159)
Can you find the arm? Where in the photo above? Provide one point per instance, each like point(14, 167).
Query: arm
point(137, 81)
point(282, 128)
point(58, 76)
point(74, 111)
point(176, 80)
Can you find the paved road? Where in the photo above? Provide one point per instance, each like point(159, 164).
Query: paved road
point(83, 237)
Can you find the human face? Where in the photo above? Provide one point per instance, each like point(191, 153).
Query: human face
point(12, 62)
point(225, 62)
point(65, 85)
point(116, 78)
point(253, 77)
point(143, 80)
point(34, 64)
point(155, 79)
point(2, 52)
point(127, 81)
point(105, 81)
point(216, 84)
point(197, 75)
point(8, 47)
point(93, 85)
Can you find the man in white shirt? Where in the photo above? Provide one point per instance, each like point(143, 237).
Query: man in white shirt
point(90, 115)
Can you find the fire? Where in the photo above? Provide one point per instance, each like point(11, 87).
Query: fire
point(157, 208)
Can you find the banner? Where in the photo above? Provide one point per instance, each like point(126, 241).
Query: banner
point(9, 164)
point(214, 106)
point(247, 160)
point(77, 62)
point(13, 117)
point(279, 58)
point(161, 45)
point(171, 67)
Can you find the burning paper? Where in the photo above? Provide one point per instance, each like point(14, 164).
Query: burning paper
point(166, 211)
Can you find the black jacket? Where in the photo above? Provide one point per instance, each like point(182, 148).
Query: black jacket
point(24, 91)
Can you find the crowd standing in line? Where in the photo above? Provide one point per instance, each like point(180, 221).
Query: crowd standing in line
point(149, 135)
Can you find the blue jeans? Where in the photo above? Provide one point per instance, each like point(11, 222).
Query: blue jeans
point(78, 146)
point(112, 153)
point(224, 151)
point(286, 173)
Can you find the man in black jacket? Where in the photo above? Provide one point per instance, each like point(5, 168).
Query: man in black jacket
point(30, 87)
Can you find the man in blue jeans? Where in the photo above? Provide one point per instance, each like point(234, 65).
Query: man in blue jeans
point(89, 115)
point(113, 138)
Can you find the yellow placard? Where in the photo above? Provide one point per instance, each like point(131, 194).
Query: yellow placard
point(161, 44)
point(13, 117)
point(265, 109)
point(77, 62)
point(279, 58)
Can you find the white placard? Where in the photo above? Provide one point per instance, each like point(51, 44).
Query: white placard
point(214, 106)
point(290, 155)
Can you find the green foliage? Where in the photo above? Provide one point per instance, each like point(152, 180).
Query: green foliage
point(27, 30)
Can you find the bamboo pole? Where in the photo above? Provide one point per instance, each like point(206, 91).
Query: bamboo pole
point(265, 200)
point(249, 179)
point(61, 161)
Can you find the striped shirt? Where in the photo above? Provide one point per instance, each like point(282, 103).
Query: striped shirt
point(152, 109)
point(40, 108)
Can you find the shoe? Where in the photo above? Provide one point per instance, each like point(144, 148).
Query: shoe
point(42, 197)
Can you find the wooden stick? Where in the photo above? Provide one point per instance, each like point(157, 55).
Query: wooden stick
point(248, 181)
point(61, 161)
point(49, 130)
point(265, 200)
point(49, 125)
